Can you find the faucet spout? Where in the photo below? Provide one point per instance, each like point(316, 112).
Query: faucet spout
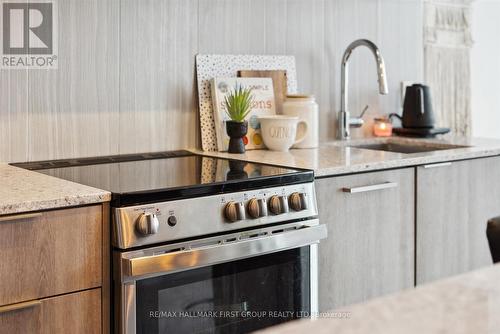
point(345, 121)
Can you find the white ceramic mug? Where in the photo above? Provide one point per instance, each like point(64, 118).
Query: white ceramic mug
point(279, 132)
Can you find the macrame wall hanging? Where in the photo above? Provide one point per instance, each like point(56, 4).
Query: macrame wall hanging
point(447, 43)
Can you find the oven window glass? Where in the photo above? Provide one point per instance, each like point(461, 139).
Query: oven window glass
point(236, 297)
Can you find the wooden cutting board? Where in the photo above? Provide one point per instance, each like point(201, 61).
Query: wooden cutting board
point(279, 83)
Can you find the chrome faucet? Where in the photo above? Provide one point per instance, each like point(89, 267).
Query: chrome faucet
point(344, 117)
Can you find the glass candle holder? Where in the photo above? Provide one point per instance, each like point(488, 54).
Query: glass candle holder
point(382, 127)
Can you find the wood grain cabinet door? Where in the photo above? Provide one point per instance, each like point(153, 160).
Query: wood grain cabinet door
point(50, 253)
point(75, 313)
point(370, 246)
point(454, 203)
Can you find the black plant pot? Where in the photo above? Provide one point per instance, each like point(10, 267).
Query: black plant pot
point(236, 131)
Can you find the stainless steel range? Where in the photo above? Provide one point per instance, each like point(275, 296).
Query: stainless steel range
point(205, 245)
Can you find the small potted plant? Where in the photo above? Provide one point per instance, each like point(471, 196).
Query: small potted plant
point(238, 105)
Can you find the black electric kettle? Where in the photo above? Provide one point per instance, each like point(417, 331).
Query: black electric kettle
point(417, 107)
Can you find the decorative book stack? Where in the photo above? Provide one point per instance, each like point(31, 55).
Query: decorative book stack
point(263, 105)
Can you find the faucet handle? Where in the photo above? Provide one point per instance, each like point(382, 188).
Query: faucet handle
point(357, 122)
point(364, 110)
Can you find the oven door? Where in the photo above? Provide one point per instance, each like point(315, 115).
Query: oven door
point(235, 283)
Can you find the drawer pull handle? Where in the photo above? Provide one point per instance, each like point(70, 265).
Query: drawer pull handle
point(443, 164)
point(19, 306)
point(20, 217)
point(364, 189)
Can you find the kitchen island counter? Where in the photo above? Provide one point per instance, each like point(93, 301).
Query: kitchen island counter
point(464, 304)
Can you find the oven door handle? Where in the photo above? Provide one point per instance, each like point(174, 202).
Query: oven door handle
point(156, 265)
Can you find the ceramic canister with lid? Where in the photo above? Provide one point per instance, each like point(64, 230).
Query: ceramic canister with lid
point(306, 108)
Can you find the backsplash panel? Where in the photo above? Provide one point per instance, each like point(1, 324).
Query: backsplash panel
point(126, 80)
point(13, 115)
point(158, 41)
point(73, 111)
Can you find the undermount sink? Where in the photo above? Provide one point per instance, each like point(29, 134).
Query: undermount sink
point(406, 147)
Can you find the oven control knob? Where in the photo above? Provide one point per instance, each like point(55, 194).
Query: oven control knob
point(297, 201)
point(278, 204)
point(172, 221)
point(234, 211)
point(147, 224)
point(257, 208)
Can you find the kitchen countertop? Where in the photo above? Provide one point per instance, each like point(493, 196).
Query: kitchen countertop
point(23, 191)
point(464, 304)
point(336, 158)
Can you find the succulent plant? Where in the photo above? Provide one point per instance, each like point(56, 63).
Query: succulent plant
point(238, 103)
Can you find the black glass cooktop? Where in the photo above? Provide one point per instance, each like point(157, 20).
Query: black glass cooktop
point(145, 178)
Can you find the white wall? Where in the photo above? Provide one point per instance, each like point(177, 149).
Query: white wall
point(485, 68)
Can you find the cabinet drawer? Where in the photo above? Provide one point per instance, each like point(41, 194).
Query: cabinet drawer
point(50, 253)
point(72, 313)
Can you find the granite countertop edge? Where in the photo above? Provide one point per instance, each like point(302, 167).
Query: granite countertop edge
point(405, 162)
point(25, 191)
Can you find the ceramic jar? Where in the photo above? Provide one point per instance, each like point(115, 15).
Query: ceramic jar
point(306, 109)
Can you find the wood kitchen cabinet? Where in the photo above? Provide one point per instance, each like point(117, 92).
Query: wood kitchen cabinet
point(454, 202)
point(50, 253)
point(370, 246)
point(76, 313)
point(54, 271)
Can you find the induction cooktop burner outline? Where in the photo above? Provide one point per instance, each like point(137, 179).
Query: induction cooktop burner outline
point(161, 176)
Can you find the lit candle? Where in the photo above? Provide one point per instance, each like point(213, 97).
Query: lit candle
point(382, 127)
